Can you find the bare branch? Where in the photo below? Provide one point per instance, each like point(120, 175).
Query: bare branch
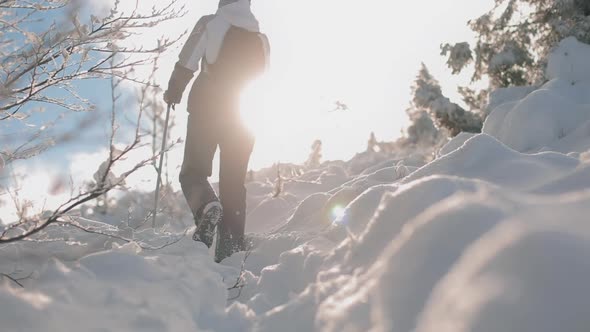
point(97, 231)
point(16, 280)
point(34, 65)
point(240, 282)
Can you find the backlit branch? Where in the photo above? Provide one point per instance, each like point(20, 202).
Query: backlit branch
point(33, 64)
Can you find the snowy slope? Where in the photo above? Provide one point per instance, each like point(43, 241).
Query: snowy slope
point(553, 117)
point(493, 235)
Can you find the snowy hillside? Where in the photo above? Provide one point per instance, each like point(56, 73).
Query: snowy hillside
point(493, 235)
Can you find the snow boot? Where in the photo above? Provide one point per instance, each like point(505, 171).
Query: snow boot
point(223, 246)
point(208, 219)
point(227, 246)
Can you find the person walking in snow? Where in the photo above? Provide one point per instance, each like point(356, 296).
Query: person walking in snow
point(229, 50)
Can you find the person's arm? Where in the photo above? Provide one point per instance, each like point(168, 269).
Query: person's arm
point(188, 61)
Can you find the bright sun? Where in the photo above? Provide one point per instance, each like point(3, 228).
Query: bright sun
point(286, 113)
point(255, 105)
point(270, 105)
point(278, 115)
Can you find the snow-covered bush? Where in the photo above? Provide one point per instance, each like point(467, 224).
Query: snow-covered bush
point(559, 110)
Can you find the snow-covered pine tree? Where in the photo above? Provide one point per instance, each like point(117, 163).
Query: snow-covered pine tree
point(373, 144)
point(315, 157)
point(422, 130)
point(428, 97)
point(514, 40)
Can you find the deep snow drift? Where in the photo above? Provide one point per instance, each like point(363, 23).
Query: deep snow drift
point(493, 235)
point(553, 117)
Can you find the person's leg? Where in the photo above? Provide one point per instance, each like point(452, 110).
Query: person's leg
point(200, 147)
point(236, 147)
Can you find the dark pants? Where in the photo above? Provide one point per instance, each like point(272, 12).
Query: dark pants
point(213, 122)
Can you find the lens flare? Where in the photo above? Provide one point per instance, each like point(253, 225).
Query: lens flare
point(338, 214)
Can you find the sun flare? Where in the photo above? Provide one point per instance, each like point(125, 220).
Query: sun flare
point(256, 104)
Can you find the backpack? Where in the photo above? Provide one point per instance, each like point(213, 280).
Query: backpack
point(242, 58)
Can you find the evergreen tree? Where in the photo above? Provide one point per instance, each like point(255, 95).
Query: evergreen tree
point(422, 131)
point(514, 40)
point(428, 98)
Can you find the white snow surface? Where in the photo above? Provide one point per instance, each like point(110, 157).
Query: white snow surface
point(569, 61)
point(554, 117)
point(493, 235)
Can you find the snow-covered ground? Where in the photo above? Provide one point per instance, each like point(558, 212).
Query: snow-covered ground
point(492, 235)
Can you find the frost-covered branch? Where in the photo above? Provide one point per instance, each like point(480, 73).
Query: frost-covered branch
point(33, 64)
point(69, 222)
point(48, 47)
point(104, 178)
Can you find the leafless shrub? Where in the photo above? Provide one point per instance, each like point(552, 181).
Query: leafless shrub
point(36, 68)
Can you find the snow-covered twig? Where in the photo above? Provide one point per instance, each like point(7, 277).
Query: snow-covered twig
point(97, 231)
point(240, 283)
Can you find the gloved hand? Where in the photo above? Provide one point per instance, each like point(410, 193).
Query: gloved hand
point(178, 82)
point(172, 97)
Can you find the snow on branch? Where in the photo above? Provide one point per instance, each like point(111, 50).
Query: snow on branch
point(32, 63)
